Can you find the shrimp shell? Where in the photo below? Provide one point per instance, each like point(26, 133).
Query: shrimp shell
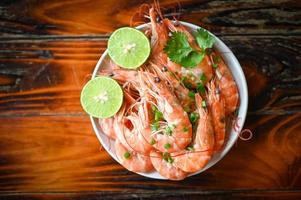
point(217, 108)
point(195, 159)
point(168, 170)
point(173, 113)
point(227, 87)
point(136, 162)
point(107, 128)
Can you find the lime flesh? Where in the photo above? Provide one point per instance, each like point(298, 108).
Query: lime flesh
point(128, 47)
point(101, 97)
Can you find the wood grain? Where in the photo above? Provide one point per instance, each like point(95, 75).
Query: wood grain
point(48, 149)
point(56, 155)
point(42, 77)
point(161, 195)
point(45, 77)
point(90, 17)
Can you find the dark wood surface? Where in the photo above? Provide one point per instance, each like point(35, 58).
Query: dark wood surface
point(48, 149)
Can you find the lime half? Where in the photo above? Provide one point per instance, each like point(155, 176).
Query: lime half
point(101, 97)
point(128, 47)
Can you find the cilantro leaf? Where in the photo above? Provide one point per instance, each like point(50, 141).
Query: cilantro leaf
point(192, 59)
point(179, 51)
point(204, 39)
point(177, 47)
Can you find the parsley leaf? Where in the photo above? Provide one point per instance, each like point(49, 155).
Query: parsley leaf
point(204, 39)
point(179, 51)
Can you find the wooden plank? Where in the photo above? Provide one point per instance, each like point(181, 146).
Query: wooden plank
point(44, 77)
point(85, 17)
point(173, 195)
point(52, 154)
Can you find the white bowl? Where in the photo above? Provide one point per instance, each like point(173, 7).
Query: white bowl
point(232, 136)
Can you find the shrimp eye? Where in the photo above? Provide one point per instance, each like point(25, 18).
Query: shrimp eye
point(158, 19)
point(157, 79)
point(164, 69)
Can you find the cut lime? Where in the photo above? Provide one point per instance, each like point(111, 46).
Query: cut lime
point(128, 47)
point(101, 97)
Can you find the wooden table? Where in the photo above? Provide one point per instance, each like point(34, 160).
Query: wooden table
point(48, 149)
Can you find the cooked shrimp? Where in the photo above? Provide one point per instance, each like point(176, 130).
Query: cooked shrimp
point(132, 160)
point(158, 39)
point(180, 91)
point(197, 157)
point(106, 126)
point(192, 74)
point(134, 137)
point(176, 118)
point(130, 135)
point(166, 167)
point(119, 123)
point(152, 129)
point(217, 108)
point(128, 127)
point(202, 73)
point(145, 117)
point(121, 75)
point(205, 132)
point(227, 87)
point(159, 59)
point(177, 26)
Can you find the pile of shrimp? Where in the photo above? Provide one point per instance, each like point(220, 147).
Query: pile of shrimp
point(154, 95)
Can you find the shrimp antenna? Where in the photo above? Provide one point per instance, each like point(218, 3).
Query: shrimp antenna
point(176, 11)
point(158, 9)
point(180, 8)
point(140, 13)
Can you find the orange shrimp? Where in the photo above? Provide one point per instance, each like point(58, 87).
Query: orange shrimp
point(132, 160)
point(227, 87)
point(197, 157)
point(119, 126)
point(131, 76)
point(180, 91)
point(159, 38)
point(145, 117)
point(119, 123)
point(122, 76)
point(192, 74)
point(129, 127)
point(135, 138)
point(177, 120)
point(166, 167)
point(217, 108)
point(106, 126)
point(158, 60)
point(177, 26)
point(110, 126)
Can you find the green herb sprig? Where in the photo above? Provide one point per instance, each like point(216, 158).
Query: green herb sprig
point(180, 51)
